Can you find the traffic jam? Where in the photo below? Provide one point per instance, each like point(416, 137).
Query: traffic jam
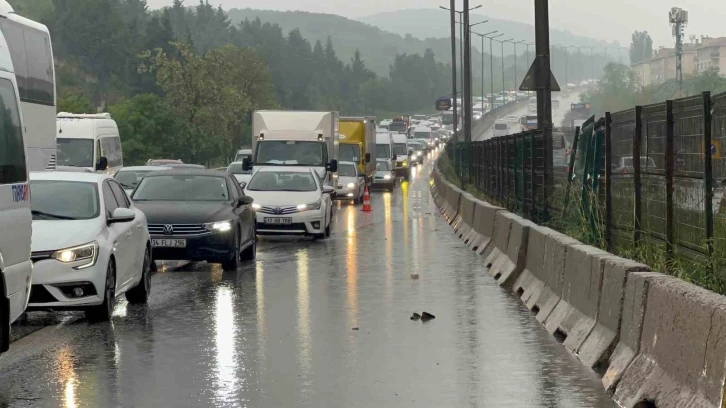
point(101, 230)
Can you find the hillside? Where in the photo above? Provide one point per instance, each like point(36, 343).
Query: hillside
point(425, 23)
point(378, 48)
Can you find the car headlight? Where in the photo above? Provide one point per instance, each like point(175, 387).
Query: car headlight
point(86, 254)
point(351, 185)
point(405, 163)
point(387, 177)
point(219, 226)
point(256, 206)
point(309, 206)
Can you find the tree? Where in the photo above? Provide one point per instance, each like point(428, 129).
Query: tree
point(74, 102)
point(641, 48)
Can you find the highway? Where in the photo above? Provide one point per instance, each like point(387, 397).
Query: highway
point(558, 115)
point(311, 324)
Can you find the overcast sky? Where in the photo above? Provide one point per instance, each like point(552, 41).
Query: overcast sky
point(605, 19)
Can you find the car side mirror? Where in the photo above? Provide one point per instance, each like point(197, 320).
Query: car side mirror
point(332, 166)
point(122, 215)
point(328, 190)
point(368, 158)
point(245, 200)
point(242, 184)
point(102, 164)
point(246, 164)
point(395, 157)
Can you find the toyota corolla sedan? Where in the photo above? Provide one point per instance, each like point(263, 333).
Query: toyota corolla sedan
point(384, 177)
point(291, 201)
point(90, 244)
point(351, 183)
point(198, 215)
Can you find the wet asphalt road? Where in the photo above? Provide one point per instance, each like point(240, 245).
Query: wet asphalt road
point(311, 324)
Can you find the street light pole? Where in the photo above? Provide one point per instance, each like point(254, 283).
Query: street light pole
point(454, 106)
point(491, 67)
point(467, 74)
point(515, 62)
point(502, 43)
point(482, 36)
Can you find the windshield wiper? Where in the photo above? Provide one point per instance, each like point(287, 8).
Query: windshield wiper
point(49, 215)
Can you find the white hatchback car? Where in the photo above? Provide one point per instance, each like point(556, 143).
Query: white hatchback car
point(90, 244)
point(351, 183)
point(291, 201)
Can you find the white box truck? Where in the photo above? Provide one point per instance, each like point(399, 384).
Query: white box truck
point(296, 138)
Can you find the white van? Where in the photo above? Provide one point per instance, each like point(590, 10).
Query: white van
point(384, 147)
point(89, 141)
point(501, 128)
point(15, 218)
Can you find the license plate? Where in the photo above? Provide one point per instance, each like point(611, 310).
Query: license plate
point(278, 221)
point(169, 243)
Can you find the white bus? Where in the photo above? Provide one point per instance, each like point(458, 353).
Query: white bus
point(15, 217)
point(32, 55)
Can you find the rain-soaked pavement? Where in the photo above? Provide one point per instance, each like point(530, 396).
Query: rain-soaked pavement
point(311, 324)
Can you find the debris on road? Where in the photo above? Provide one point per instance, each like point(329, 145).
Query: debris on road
point(415, 316)
point(426, 316)
point(414, 275)
point(355, 328)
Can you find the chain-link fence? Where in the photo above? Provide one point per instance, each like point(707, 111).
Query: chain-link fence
point(654, 173)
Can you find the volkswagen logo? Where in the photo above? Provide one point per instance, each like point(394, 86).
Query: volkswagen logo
point(168, 229)
point(278, 210)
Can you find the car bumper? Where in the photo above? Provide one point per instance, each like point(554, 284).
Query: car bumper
point(302, 223)
point(212, 247)
point(383, 182)
point(54, 282)
point(345, 193)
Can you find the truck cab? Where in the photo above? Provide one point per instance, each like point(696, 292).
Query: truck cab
point(358, 144)
point(89, 141)
point(403, 162)
point(15, 216)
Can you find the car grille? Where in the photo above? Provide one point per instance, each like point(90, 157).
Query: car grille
point(178, 229)
point(277, 210)
point(282, 227)
point(39, 294)
point(40, 255)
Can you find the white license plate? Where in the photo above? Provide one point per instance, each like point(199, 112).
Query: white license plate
point(169, 243)
point(278, 221)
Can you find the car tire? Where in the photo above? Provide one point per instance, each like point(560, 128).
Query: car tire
point(250, 253)
point(139, 294)
point(4, 323)
point(104, 311)
point(233, 264)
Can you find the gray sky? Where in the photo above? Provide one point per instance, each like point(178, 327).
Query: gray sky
point(605, 19)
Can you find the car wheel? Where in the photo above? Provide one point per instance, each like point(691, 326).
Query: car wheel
point(4, 326)
point(103, 312)
point(139, 294)
point(250, 253)
point(327, 228)
point(233, 264)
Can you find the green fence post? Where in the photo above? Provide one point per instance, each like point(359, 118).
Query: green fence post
point(570, 170)
point(608, 182)
point(637, 187)
point(708, 175)
point(670, 169)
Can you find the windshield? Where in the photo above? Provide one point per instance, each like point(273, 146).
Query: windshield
point(236, 168)
point(501, 126)
point(291, 153)
point(282, 181)
point(182, 188)
point(383, 166)
point(383, 151)
point(346, 170)
point(400, 149)
point(422, 135)
point(75, 152)
point(64, 200)
point(349, 152)
point(130, 178)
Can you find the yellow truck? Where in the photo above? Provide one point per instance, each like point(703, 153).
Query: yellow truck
point(358, 143)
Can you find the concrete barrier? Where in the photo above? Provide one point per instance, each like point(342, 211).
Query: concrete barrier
point(466, 212)
point(575, 315)
point(600, 343)
point(636, 293)
point(530, 282)
point(484, 220)
point(507, 259)
point(681, 361)
point(453, 196)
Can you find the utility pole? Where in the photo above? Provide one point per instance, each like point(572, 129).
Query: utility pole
point(491, 68)
point(678, 19)
point(544, 93)
point(467, 74)
point(454, 106)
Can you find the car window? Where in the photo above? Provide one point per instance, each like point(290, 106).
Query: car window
point(109, 200)
point(12, 153)
point(284, 181)
point(233, 189)
point(118, 192)
point(182, 187)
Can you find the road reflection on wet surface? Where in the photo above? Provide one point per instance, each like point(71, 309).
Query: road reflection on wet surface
point(312, 324)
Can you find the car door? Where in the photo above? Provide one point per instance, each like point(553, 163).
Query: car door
point(241, 211)
point(120, 236)
point(135, 232)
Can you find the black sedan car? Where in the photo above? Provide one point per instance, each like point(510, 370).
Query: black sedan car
point(197, 215)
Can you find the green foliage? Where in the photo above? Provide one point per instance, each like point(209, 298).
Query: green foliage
point(641, 48)
point(75, 102)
